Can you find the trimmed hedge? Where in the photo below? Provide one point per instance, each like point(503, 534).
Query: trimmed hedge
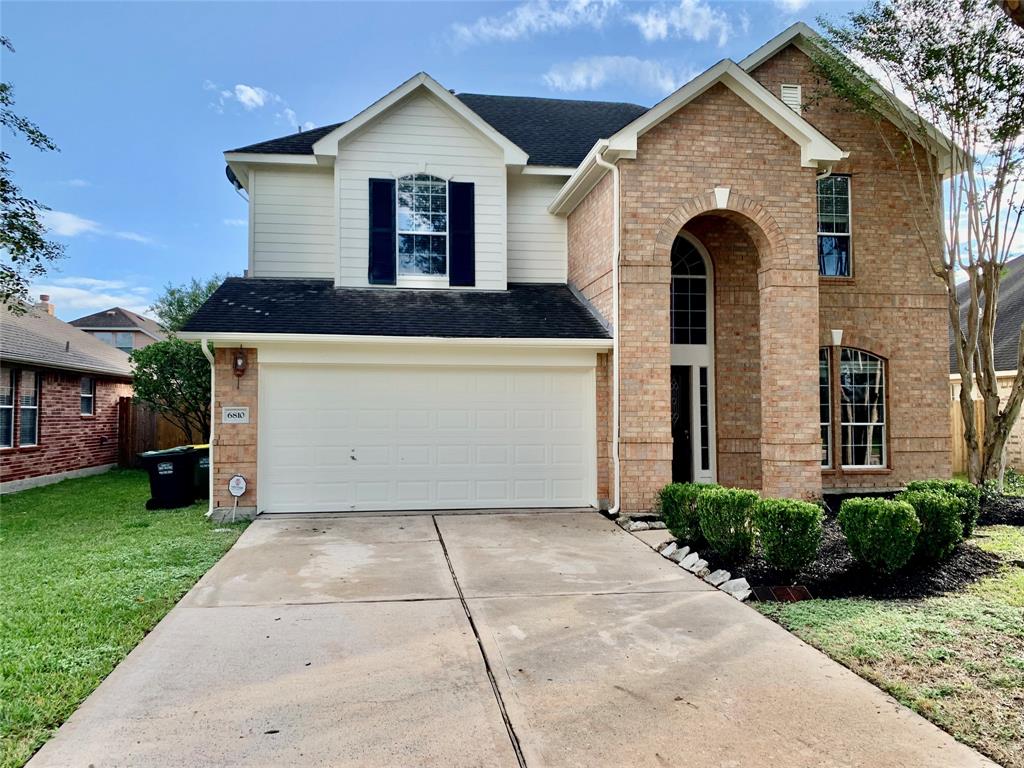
point(940, 515)
point(790, 532)
point(678, 505)
point(725, 521)
point(881, 533)
point(969, 493)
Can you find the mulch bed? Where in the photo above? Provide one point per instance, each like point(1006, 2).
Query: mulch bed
point(1002, 510)
point(836, 574)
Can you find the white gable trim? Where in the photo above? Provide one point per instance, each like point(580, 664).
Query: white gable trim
point(328, 145)
point(805, 39)
point(816, 149)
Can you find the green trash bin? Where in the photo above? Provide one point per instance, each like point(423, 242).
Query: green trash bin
point(201, 473)
point(171, 477)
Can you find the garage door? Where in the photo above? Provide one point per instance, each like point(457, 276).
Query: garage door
point(348, 438)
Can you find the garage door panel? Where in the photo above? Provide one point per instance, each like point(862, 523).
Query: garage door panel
point(337, 438)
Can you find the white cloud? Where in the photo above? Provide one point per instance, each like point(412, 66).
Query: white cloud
point(78, 183)
point(79, 295)
point(792, 6)
point(694, 19)
point(236, 222)
point(596, 71)
point(64, 224)
point(531, 18)
point(253, 97)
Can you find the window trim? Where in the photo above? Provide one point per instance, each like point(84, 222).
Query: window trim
point(829, 448)
point(849, 215)
point(421, 281)
point(91, 396)
point(13, 374)
point(38, 392)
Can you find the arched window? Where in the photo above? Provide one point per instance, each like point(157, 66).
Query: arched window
point(422, 225)
point(689, 294)
point(860, 417)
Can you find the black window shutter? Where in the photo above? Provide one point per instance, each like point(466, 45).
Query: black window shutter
point(382, 232)
point(461, 241)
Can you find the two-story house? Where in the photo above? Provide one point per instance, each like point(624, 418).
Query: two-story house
point(469, 301)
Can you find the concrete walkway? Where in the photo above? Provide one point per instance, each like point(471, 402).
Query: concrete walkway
point(548, 639)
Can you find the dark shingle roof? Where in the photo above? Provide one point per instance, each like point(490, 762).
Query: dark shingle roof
point(1009, 316)
point(119, 317)
point(271, 305)
point(550, 131)
point(37, 338)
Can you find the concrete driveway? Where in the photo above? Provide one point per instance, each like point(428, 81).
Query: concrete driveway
point(543, 639)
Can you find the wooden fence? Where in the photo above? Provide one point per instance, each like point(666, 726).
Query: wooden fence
point(956, 420)
point(141, 429)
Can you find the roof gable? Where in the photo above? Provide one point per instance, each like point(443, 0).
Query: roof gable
point(121, 319)
point(327, 145)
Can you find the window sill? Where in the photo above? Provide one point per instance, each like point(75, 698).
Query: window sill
point(836, 279)
point(423, 281)
point(22, 449)
point(865, 471)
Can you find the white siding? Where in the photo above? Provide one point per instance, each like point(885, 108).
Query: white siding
point(421, 135)
point(292, 223)
point(536, 239)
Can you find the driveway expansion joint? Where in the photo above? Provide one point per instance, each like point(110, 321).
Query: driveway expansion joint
point(483, 653)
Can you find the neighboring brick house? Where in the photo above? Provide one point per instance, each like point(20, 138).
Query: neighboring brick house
point(459, 301)
point(59, 390)
point(120, 328)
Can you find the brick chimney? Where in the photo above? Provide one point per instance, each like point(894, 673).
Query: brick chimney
point(44, 304)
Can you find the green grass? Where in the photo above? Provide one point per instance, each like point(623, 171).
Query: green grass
point(957, 659)
point(86, 572)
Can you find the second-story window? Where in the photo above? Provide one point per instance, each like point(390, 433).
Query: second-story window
point(123, 341)
point(834, 226)
point(422, 225)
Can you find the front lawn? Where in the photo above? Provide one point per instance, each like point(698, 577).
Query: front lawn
point(956, 659)
point(86, 572)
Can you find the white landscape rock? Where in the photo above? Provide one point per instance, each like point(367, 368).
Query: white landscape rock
point(668, 549)
point(738, 588)
point(637, 525)
point(680, 554)
point(717, 578)
point(688, 561)
point(657, 525)
point(697, 565)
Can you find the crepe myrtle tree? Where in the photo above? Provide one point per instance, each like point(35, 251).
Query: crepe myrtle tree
point(173, 378)
point(176, 305)
point(959, 66)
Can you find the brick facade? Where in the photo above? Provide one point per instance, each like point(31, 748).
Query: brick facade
point(234, 445)
point(772, 310)
point(68, 441)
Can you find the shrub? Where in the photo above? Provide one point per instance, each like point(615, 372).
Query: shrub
point(678, 504)
point(725, 521)
point(790, 532)
point(881, 533)
point(940, 515)
point(969, 493)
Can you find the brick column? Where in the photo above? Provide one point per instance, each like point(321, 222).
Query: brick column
point(790, 439)
point(234, 446)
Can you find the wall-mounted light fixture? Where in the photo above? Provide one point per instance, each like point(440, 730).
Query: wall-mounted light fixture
point(239, 362)
point(837, 337)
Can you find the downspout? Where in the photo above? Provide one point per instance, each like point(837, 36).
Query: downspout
point(213, 420)
point(616, 473)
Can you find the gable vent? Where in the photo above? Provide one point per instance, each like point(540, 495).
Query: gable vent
point(791, 96)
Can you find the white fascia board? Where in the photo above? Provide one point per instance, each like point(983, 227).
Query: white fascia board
point(549, 170)
point(331, 338)
point(805, 39)
point(328, 145)
point(239, 162)
point(584, 179)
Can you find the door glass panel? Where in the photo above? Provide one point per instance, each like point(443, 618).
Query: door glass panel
point(705, 422)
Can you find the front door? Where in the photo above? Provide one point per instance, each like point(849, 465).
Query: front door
point(682, 425)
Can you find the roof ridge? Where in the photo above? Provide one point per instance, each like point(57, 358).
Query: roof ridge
point(552, 98)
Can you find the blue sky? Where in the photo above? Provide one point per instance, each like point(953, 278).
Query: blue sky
point(143, 98)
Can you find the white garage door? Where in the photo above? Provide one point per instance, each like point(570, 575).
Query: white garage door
point(347, 438)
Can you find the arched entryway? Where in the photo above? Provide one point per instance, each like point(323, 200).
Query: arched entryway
point(692, 296)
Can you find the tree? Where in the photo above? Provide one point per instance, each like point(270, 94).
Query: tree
point(178, 303)
point(173, 378)
point(960, 66)
point(25, 250)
